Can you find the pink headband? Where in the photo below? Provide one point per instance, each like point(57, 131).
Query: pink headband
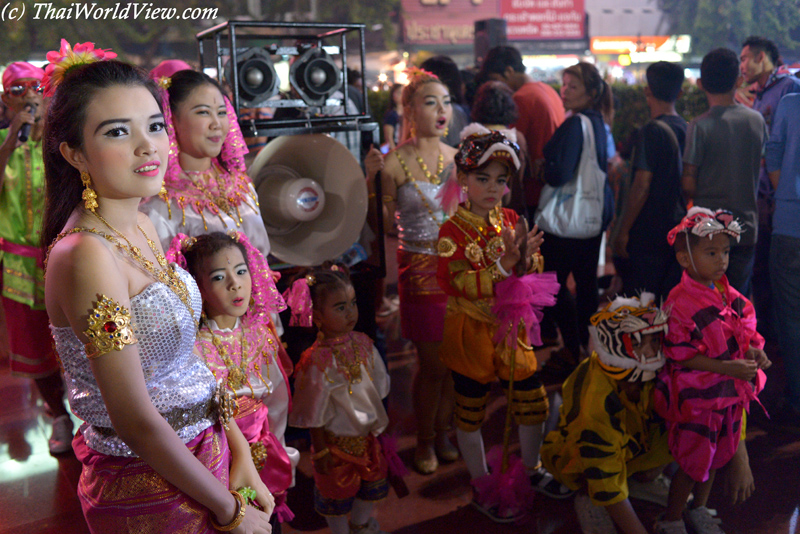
point(20, 70)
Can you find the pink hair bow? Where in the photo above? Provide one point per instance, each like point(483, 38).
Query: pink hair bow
point(298, 297)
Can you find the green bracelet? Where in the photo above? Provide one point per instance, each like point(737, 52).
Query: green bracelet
point(248, 493)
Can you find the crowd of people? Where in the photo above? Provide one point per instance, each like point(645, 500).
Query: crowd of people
point(130, 193)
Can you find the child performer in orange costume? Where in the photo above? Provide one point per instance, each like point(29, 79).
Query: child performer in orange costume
point(478, 250)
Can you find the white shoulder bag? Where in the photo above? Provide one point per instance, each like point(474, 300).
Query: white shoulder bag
point(575, 209)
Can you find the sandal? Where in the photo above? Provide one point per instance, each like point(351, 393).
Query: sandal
point(543, 482)
point(492, 513)
point(445, 450)
point(425, 464)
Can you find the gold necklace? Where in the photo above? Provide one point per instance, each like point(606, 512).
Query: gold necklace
point(219, 199)
point(435, 180)
point(237, 375)
point(166, 276)
point(413, 181)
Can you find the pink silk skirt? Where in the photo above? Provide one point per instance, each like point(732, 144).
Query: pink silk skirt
point(422, 301)
point(126, 495)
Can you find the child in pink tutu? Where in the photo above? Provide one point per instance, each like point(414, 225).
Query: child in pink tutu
point(714, 366)
point(339, 386)
point(237, 340)
point(488, 321)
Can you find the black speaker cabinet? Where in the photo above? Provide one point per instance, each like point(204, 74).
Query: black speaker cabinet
point(488, 34)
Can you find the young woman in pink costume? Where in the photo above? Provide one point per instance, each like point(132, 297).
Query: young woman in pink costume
point(411, 178)
point(124, 322)
point(206, 187)
point(238, 342)
point(339, 386)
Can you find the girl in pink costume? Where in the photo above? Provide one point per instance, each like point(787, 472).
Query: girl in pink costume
point(238, 342)
point(714, 366)
point(206, 187)
point(339, 386)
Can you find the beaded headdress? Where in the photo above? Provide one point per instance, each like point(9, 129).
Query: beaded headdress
point(480, 145)
point(266, 297)
point(703, 222)
point(613, 329)
point(67, 58)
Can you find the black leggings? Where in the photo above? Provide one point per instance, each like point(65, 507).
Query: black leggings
point(571, 313)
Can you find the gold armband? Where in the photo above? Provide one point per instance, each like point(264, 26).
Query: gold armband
point(497, 275)
point(388, 198)
point(537, 263)
point(109, 328)
point(258, 451)
point(226, 405)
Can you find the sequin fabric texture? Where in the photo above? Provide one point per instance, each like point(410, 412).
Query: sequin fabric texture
point(177, 380)
point(417, 230)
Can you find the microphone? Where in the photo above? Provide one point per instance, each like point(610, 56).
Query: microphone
point(25, 131)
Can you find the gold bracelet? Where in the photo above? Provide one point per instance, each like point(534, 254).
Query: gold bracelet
point(372, 195)
point(237, 519)
point(321, 454)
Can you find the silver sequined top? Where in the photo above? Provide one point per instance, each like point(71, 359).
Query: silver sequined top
point(179, 383)
point(417, 230)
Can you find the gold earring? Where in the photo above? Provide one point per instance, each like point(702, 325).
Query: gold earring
point(413, 130)
point(162, 194)
point(89, 196)
point(446, 131)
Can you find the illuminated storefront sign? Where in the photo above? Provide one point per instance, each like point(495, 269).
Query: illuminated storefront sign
point(453, 21)
point(543, 19)
point(643, 47)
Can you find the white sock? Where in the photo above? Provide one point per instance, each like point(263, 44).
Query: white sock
point(361, 512)
point(471, 446)
point(338, 524)
point(530, 441)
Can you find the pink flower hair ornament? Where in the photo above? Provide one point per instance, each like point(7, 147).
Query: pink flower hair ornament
point(68, 57)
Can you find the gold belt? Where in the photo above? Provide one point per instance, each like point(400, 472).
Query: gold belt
point(352, 445)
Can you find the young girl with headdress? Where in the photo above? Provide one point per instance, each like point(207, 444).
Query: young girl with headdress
point(124, 321)
point(339, 386)
point(479, 248)
point(411, 178)
point(238, 342)
point(206, 187)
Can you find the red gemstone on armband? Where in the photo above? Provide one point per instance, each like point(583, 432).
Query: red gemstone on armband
point(110, 326)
